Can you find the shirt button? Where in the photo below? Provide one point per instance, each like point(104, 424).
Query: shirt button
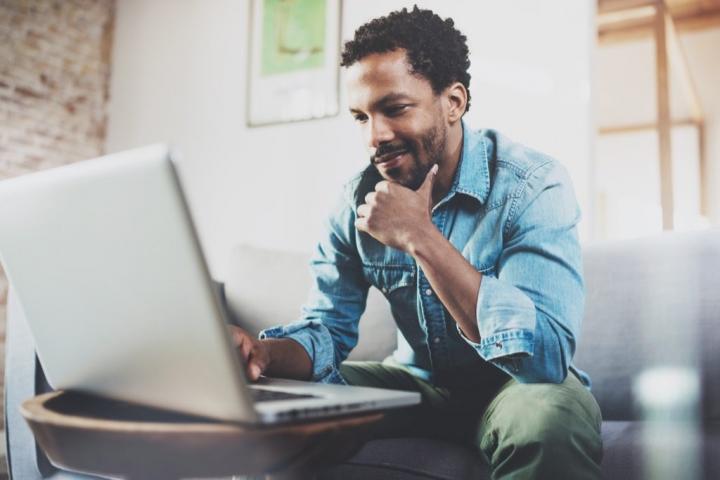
point(436, 340)
point(384, 290)
point(428, 292)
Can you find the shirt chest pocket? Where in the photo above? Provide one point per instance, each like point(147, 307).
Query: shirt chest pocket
point(398, 284)
point(389, 279)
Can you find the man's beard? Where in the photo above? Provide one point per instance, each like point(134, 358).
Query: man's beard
point(432, 142)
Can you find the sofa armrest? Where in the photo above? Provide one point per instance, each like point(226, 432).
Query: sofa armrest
point(20, 372)
point(24, 378)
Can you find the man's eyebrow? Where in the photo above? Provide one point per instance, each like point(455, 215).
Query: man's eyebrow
point(389, 98)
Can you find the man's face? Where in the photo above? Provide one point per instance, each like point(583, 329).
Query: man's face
point(401, 117)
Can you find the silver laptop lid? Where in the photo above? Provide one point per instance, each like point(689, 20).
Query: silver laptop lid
point(100, 250)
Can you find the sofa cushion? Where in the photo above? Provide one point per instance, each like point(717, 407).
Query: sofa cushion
point(626, 447)
point(423, 458)
point(410, 458)
point(622, 450)
point(651, 302)
point(268, 287)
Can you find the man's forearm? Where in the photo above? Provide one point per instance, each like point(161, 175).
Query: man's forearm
point(288, 359)
point(453, 279)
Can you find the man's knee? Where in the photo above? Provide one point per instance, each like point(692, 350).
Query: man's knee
point(527, 411)
point(539, 427)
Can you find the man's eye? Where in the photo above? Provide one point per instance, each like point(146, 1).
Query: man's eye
point(360, 118)
point(396, 110)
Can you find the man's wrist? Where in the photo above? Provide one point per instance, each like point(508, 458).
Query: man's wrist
point(287, 358)
point(267, 344)
point(420, 244)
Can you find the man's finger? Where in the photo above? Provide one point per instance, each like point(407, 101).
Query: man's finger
point(361, 224)
point(363, 210)
point(382, 186)
point(427, 186)
point(370, 198)
point(254, 371)
point(243, 343)
point(255, 364)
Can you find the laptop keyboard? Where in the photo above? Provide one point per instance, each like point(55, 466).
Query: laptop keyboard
point(262, 395)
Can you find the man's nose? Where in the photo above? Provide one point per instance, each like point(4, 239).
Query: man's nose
point(379, 133)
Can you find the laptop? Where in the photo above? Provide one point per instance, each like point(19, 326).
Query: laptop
point(106, 264)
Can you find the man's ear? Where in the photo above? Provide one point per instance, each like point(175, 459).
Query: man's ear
point(456, 96)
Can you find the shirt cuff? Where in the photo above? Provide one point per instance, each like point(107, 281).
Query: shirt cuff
point(315, 338)
point(506, 321)
point(503, 344)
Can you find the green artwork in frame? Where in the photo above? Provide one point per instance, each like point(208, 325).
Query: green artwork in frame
point(293, 36)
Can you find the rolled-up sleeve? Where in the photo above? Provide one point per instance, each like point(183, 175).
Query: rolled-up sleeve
point(529, 314)
point(328, 326)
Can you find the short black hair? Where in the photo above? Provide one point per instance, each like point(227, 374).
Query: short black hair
point(435, 48)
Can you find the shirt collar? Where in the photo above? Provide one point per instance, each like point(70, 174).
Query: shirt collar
point(473, 174)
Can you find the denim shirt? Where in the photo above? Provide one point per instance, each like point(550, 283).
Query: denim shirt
point(512, 213)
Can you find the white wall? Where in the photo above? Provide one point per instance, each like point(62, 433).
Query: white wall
point(179, 76)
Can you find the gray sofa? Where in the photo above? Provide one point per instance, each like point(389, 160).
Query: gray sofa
point(650, 303)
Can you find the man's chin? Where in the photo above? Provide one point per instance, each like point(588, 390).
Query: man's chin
point(410, 179)
point(397, 177)
point(394, 175)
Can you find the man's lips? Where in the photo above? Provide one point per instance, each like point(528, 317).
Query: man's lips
point(390, 160)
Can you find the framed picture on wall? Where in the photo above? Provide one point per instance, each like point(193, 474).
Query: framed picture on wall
point(293, 60)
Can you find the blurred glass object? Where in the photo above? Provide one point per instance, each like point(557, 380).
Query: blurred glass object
point(668, 398)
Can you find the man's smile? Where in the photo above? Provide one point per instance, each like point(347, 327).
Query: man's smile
point(390, 160)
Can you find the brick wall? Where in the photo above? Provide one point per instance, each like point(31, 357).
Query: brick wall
point(54, 73)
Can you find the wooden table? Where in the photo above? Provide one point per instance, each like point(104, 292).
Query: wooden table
point(109, 438)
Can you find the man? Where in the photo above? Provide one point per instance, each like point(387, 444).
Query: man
point(472, 239)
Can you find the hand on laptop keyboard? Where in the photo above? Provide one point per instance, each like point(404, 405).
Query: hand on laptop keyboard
point(254, 353)
point(275, 357)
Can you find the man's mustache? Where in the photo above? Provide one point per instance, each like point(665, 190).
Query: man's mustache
point(388, 150)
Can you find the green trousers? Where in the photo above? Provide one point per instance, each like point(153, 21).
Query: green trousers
point(522, 431)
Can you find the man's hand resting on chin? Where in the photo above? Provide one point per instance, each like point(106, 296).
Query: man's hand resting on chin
point(396, 215)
